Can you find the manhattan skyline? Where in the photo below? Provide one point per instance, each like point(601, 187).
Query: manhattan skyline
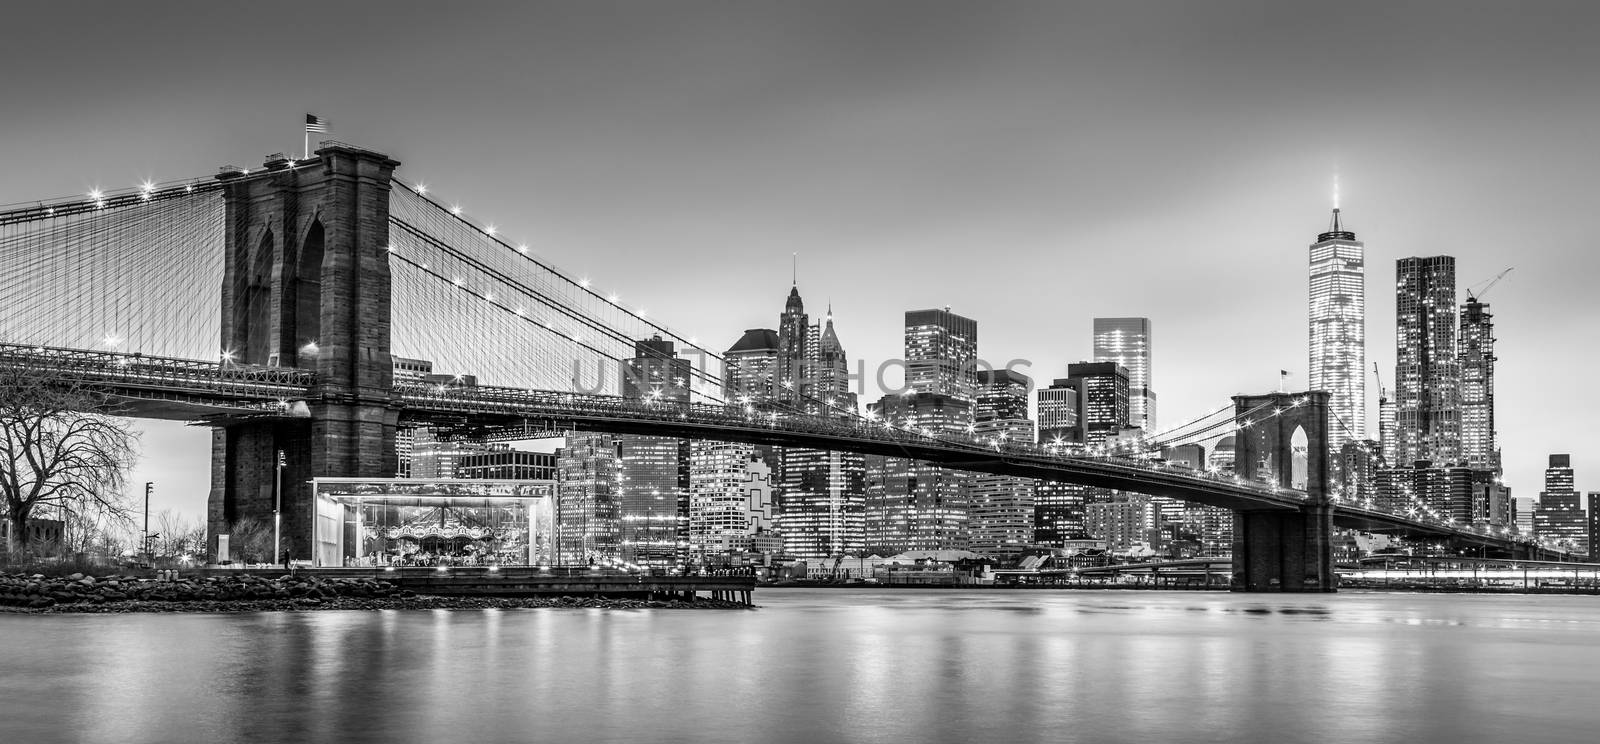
point(937, 158)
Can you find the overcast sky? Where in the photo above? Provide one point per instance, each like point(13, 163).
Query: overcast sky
point(1032, 165)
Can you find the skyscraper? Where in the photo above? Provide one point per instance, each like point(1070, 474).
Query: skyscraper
point(830, 370)
point(1444, 492)
point(655, 372)
point(1125, 523)
point(1079, 412)
point(1000, 512)
point(914, 505)
point(653, 481)
point(1126, 341)
point(1427, 377)
point(1388, 431)
point(1338, 329)
point(752, 372)
point(653, 498)
point(1102, 402)
point(1058, 507)
point(1559, 516)
point(795, 352)
point(586, 500)
point(1058, 414)
point(1476, 359)
point(1594, 521)
point(941, 352)
point(732, 485)
point(1522, 511)
point(731, 493)
point(822, 494)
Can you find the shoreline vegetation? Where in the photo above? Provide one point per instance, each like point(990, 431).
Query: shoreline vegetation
point(83, 593)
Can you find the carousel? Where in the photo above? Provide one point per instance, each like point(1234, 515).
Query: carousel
point(408, 522)
point(445, 540)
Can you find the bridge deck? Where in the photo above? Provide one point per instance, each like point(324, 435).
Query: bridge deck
point(161, 387)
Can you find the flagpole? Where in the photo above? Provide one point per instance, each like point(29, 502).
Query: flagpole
point(305, 149)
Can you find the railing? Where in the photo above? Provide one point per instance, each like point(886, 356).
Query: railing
point(268, 384)
point(161, 373)
point(521, 402)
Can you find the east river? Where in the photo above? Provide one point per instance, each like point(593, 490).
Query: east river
point(817, 666)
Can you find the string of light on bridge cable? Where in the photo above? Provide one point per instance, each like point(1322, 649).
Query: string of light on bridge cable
point(137, 274)
point(429, 240)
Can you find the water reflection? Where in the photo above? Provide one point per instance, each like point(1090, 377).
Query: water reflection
point(821, 666)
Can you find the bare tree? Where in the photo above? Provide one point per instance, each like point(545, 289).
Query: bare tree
point(91, 528)
point(178, 535)
point(251, 540)
point(61, 445)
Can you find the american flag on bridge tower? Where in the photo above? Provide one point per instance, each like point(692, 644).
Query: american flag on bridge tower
point(316, 123)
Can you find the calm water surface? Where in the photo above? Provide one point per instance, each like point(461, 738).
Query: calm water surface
point(819, 666)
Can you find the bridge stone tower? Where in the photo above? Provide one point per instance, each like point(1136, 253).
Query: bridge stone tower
point(1284, 551)
point(306, 284)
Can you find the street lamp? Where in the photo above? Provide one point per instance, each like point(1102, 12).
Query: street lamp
point(277, 511)
point(148, 487)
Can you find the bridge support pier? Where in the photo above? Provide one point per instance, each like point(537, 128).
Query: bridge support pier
point(1276, 551)
point(306, 284)
point(339, 440)
point(1283, 440)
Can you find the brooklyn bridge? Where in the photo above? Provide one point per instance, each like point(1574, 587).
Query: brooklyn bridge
point(331, 268)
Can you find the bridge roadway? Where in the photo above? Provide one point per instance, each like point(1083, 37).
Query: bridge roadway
point(187, 389)
point(169, 388)
point(490, 411)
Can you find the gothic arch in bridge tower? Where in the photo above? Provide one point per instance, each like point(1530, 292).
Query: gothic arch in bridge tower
point(256, 306)
point(1298, 456)
point(308, 289)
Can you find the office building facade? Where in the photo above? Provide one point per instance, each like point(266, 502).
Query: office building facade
point(821, 499)
point(1559, 517)
point(941, 353)
point(1338, 331)
point(1001, 508)
point(653, 477)
point(1476, 360)
point(1102, 401)
point(586, 510)
point(1127, 343)
point(1427, 376)
point(910, 504)
point(731, 499)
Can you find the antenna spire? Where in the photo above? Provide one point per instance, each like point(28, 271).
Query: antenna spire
point(1336, 230)
point(794, 268)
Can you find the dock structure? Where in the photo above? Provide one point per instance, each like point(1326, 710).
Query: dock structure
point(529, 581)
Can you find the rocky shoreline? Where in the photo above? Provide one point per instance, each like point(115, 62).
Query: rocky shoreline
point(79, 593)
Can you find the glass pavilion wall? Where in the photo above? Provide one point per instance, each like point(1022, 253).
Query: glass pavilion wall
point(421, 522)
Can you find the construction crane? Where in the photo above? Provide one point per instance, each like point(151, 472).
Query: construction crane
point(1383, 394)
point(1473, 293)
